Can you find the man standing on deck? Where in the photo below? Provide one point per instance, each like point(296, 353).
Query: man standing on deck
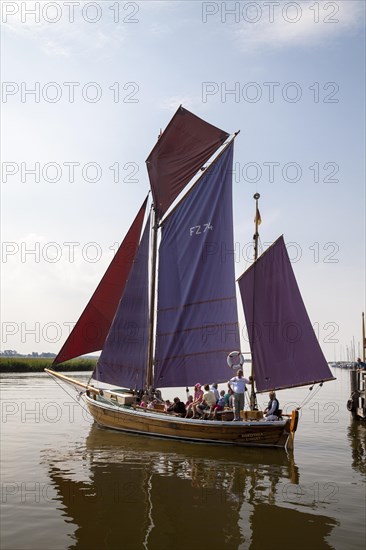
point(238, 385)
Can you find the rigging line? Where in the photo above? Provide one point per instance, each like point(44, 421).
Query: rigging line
point(208, 168)
point(72, 397)
point(79, 394)
point(310, 396)
point(91, 376)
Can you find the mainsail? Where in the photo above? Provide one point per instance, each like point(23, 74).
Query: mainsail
point(197, 324)
point(284, 347)
point(182, 149)
point(91, 329)
point(124, 357)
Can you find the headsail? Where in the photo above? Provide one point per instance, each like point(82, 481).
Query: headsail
point(183, 148)
point(123, 360)
point(91, 330)
point(197, 323)
point(284, 347)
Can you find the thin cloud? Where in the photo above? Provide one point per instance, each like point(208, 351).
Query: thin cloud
point(64, 38)
point(311, 27)
point(172, 103)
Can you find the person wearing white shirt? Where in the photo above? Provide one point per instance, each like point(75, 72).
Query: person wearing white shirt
point(215, 391)
point(238, 385)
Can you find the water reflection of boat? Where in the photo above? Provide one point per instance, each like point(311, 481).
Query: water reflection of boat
point(134, 493)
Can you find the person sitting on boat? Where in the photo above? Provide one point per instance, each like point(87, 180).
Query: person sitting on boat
point(158, 396)
point(167, 404)
point(271, 412)
point(238, 385)
point(220, 405)
point(215, 391)
point(197, 398)
point(145, 398)
point(177, 407)
point(189, 401)
point(361, 365)
point(229, 397)
point(207, 404)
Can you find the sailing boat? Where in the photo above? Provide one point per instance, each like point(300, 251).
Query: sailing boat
point(188, 335)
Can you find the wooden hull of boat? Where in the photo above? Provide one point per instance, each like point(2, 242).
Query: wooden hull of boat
point(143, 422)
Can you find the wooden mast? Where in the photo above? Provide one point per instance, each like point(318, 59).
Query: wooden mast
point(363, 338)
point(253, 397)
point(150, 357)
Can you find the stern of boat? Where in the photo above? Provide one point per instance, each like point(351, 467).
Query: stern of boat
point(292, 427)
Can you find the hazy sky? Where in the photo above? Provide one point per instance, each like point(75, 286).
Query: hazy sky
point(86, 87)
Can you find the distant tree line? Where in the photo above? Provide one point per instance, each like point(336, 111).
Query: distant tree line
point(14, 353)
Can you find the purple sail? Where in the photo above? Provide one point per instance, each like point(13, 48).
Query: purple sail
point(197, 323)
point(284, 347)
point(124, 357)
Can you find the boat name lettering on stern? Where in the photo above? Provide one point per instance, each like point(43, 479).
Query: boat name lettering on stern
point(251, 436)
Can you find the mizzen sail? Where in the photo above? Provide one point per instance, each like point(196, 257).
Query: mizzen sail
point(123, 360)
point(284, 347)
point(182, 149)
point(197, 324)
point(91, 329)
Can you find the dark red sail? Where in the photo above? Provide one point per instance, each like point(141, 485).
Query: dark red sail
point(92, 328)
point(182, 149)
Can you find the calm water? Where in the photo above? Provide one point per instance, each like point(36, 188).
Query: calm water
point(68, 484)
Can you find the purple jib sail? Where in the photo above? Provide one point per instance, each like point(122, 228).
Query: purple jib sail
point(284, 347)
point(124, 357)
point(197, 323)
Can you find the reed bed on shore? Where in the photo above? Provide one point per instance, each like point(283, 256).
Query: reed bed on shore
point(38, 364)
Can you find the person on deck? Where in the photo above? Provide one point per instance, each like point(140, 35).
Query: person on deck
point(189, 401)
point(238, 385)
point(229, 397)
point(197, 398)
point(215, 391)
point(220, 404)
point(360, 364)
point(207, 404)
point(271, 412)
point(177, 407)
